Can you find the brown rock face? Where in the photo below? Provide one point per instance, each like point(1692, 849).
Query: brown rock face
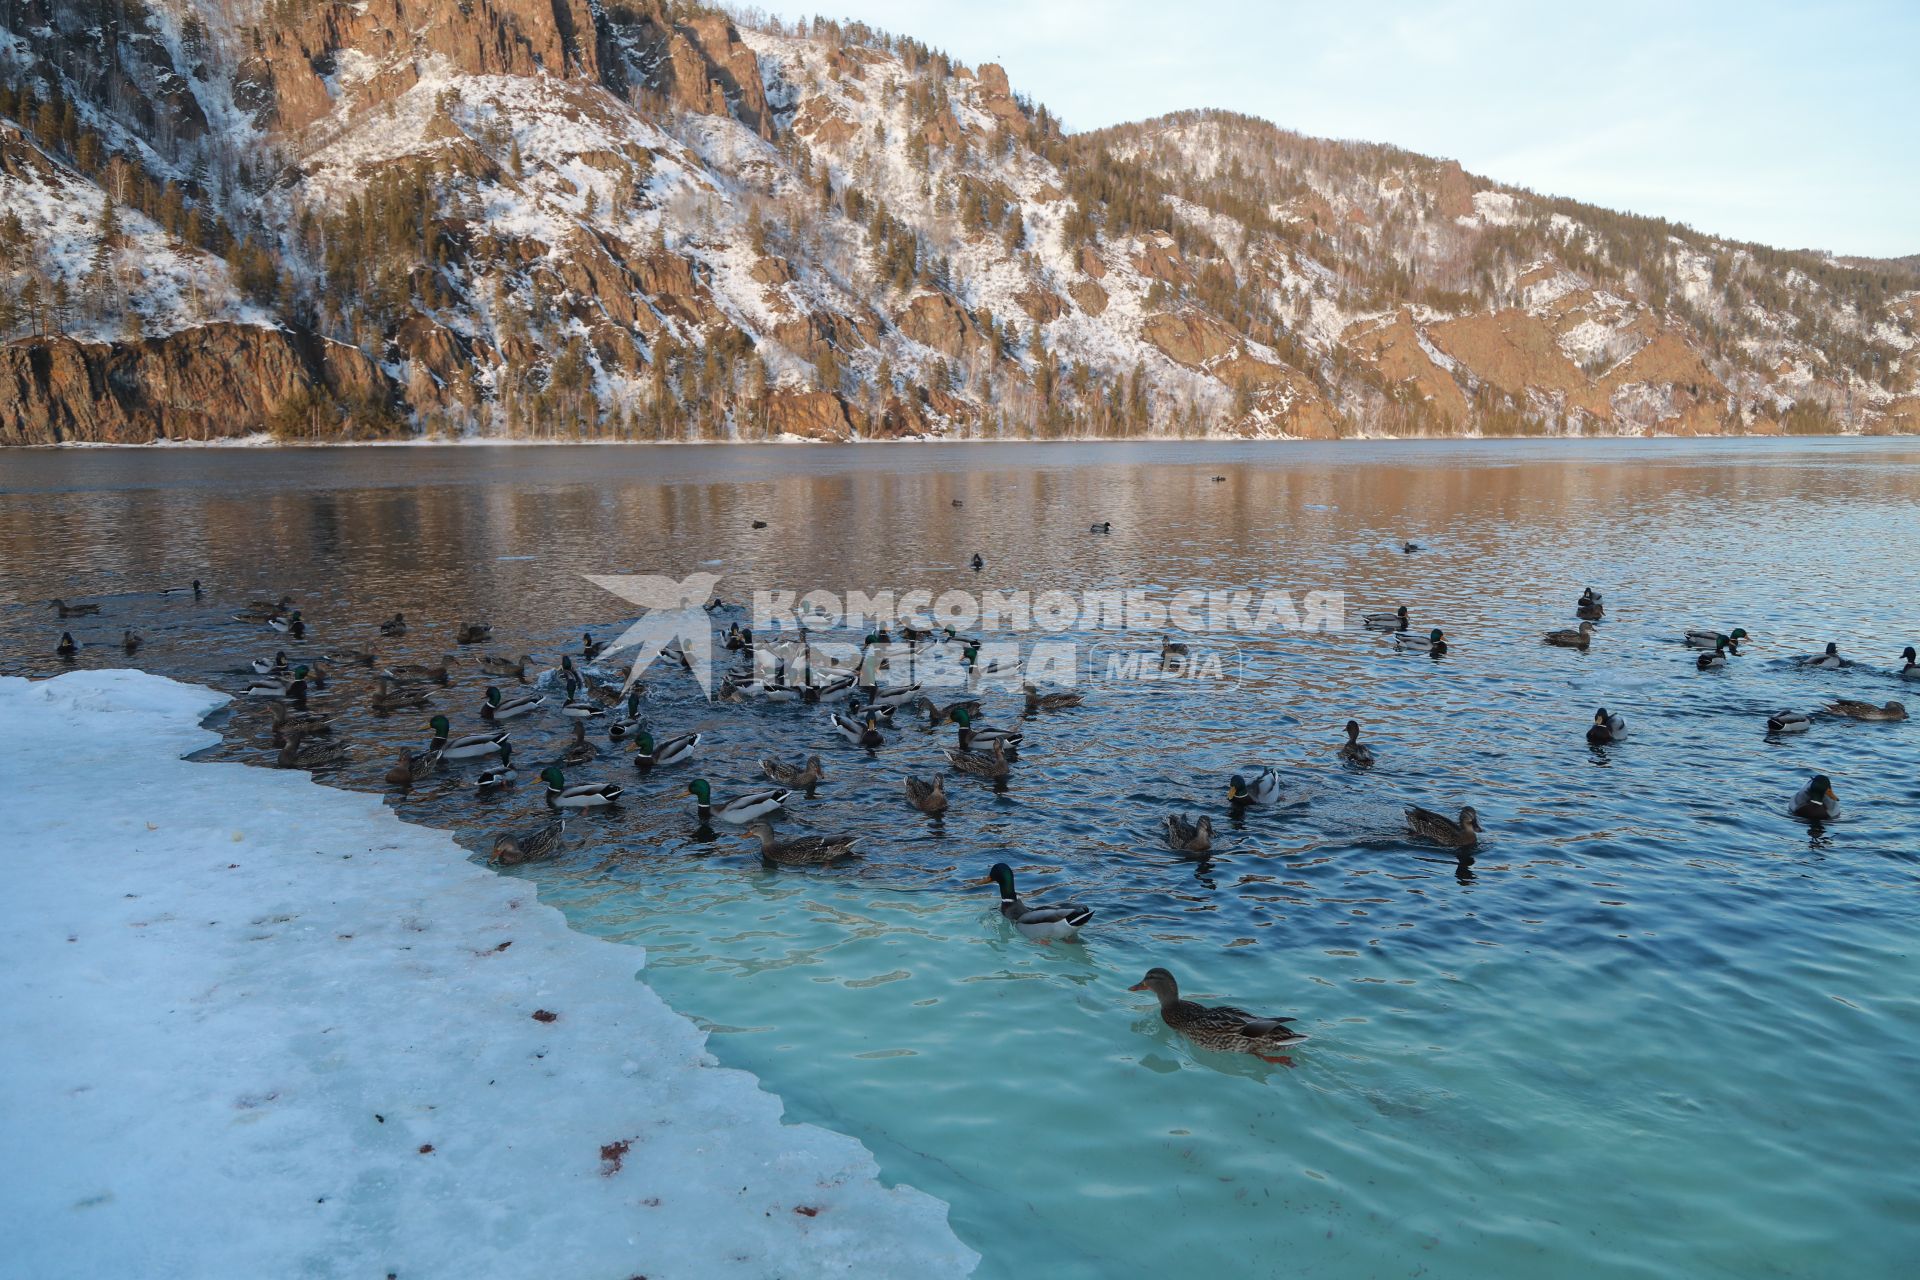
point(813, 415)
point(1091, 264)
point(1043, 305)
point(996, 95)
point(1091, 297)
point(211, 383)
point(943, 324)
point(1159, 259)
point(714, 71)
point(1190, 337)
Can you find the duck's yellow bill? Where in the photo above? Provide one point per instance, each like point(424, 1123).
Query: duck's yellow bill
point(1138, 986)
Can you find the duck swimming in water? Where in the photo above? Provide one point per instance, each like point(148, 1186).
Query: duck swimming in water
point(1911, 669)
point(1395, 621)
point(1830, 660)
point(1435, 642)
point(511, 850)
point(1789, 722)
point(1353, 751)
point(929, 797)
point(1042, 924)
point(1442, 830)
point(1572, 639)
point(1222, 1028)
point(1816, 801)
point(1256, 786)
point(1855, 710)
point(1189, 837)
point(1606, 727)
point(801, 851)
point(1696, 638)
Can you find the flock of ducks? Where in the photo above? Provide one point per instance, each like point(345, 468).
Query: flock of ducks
point(790, 670)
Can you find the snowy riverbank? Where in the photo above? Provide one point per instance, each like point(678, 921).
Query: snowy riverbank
point(256, 1026)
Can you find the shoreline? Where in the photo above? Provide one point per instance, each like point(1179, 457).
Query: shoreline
point(263, 1026)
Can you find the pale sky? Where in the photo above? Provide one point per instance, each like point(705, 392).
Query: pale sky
point(1792, 125)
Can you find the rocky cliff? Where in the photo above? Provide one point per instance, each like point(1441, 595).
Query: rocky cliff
point(643, 220)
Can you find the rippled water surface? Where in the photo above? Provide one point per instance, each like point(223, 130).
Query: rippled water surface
point(1657, 1028)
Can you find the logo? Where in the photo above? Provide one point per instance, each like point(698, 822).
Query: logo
point(675, 622)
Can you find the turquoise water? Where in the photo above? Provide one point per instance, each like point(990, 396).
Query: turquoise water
point(1657, 1028)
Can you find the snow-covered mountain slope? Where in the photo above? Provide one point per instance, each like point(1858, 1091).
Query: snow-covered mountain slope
point(510, 217)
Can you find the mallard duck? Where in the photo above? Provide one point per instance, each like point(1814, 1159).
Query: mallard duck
point(351, 657)
point(468, 747)
point(801, 777)
point(1189, 837)
point(741, 809)
point(927, 797)
point(394, 626)
point(992, 764)
point(265, 687)
point(391, 697)
point(261, 610)
point(584, 795)
point(1866, 710)
point(415, 672)
point(299, 752)
point(295, 694)
point(1353, 751)
point(669, 752)
point(1042, 924)
point(938, 715)
point(582, 709)
point(1258, 786)
point(829, 690)
point(536, 846)
point(861, 733)
point(1911, 669)
point(1395, 621)
point(589, 647)
point(1105, 526)
point(290, 624)
point(980, 737)
point(69, 647)
point(1410, 547)
point(887, 699)
point(66, 610)
point(623, 726)
point(512, 668)
point(270, 666)
point(499, 707)
point(1171, 648)
point(499, 775)
point(193, 587)
point(288, 721)
point(579, 751)
point(1441, 829)
point(801, 851)
point(1038, 701)
point(1827, 661)
point(1789, 722)
point(1717, 659)
point(1816, 802)
point(1222, 1028)
point(738, 639)
point(1700, 639)
point(1606, 727)
point(130, 641)
point(1574, 639)
point(1435, 642)
point(473, 633)
point(411, 766)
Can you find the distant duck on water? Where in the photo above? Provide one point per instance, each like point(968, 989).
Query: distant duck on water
point(1830, 660)
point(1395, 621)
point(1606, 727)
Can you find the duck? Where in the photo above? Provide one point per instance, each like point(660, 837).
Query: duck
point(1910, 671)
point(801, 777)
point(467, 747)
point(1105, 526)
point(391, 697)
point(1589, 606)
point(929, 797)
point(290, 624)
point(351, 657)
point(982, 764)
point(511, 850)
point(1854, 710)
point(394, 626)
point(1827, 661)
point(888, 699)
point(1606, 727)
point(583, 795)
point(66, 610)
point(266, 687)
point(741, 809)
point(296, 752)
point(288, 721)
point(579, 751)
point(1572, 639)
point(499, 707)
point(1439, 828)
point(270, 666)
point(671, 751)
point(1395, 621)
point(801, 851)
point(1700, 638)
point(473, 633)
point(193, 587)
point(511, 668)
point(977, 562)
point(589, 647)
point(261, 610)
point(623, 726)
point(68, 646)
point(938, 715)
point(979, 736)
point(1353, 751)
point(582, 709)
point(130, 641)
point(1038, 701)
point(1717, 659)
point(1816, 802)
point(1189, 837)
point(1171, 648)
point(1257, 786)
point(1789, 722)
point(860, 733)
point(1409, 548)
point(1221, 1028)
point(415, 671)
point(500, 775)
point(1435, 642)
point(1042, 924)
point(411, 766)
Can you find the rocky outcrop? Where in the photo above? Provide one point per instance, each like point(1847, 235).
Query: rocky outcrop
point(996, 95)
point(1189, 337)
point(1043, 306)
point(813, 415)
point(1091, 297)
point(943, 324)
point(215, 382)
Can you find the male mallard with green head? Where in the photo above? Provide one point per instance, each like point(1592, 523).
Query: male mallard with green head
point(676, 750)
point(583, 795)
point(739, 810)
point(1042, 924)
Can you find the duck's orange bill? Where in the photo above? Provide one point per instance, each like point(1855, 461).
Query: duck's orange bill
point(1138, 986)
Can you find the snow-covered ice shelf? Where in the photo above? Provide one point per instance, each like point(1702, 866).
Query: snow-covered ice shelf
point(260, 1027)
